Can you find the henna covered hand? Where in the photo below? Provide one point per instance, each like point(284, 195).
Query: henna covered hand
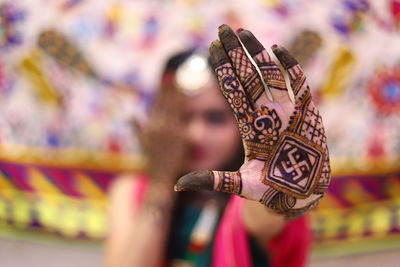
point(162, 136)
point(287, 161)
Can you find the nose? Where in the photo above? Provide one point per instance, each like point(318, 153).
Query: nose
point(196, 131)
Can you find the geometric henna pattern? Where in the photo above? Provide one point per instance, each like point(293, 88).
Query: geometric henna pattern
point(267, 196)
point(271, 73)
point(296, 162)
point(295, 156)
point(229, 182)
point(262, 126)
point(325, 178)
point(287, 162)
point(297, 76)
point(284, 204)
point(247, 74)
point(290, 143)
point(277, 200)
point(294, 213)
point(293, 166)
point(312, 126)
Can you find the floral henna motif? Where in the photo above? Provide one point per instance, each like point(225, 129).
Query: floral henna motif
point(294, 152)
point(267, 126)
point(262, 126)
point(287, 161)
point(294, 157)
point(235, 97)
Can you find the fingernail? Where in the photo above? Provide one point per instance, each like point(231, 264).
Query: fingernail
point(216, 43)
point(222, 27)
point(250, 42)
point(195, 181)
point(275, 47)
point(228, 38)
point(286, 59)
point(218, 56)
point(239, 30)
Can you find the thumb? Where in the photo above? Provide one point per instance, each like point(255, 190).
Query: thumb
point(229, 182)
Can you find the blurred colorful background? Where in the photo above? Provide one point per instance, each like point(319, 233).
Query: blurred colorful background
point(74, 73)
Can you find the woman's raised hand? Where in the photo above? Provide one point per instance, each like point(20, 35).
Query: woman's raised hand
point(287, 161)
point(162, 137)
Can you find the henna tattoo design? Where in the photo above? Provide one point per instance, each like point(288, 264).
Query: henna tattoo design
point(287, 160)
point(293, 166)
point(248, 76)
point(229, 182)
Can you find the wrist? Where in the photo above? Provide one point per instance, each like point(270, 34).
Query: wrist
point(158, 203)
point(160, 191)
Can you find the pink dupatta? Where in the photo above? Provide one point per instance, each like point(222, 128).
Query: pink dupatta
point(231, 248)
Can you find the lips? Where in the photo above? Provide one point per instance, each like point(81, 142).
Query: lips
point(198, 153)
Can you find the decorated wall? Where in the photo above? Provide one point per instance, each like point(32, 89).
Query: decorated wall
point(74, 73)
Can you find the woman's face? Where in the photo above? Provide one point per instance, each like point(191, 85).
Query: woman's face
point(211, 130)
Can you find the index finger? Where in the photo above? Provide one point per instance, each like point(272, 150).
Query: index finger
point(229, 84)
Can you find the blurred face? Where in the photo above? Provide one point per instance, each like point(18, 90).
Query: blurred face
point(211, 130)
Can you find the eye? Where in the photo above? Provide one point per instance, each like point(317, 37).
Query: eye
point(215, 117)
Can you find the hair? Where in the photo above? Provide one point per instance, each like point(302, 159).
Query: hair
point(178, 59)
point(170, 68)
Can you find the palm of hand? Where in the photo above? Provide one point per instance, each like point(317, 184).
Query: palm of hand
point(162, 139)
point(287, 162)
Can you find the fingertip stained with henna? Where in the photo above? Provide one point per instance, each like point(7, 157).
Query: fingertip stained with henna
point(196, 181)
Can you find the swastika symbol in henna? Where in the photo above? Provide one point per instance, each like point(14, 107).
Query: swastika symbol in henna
point(293, 166)
point(286, 166)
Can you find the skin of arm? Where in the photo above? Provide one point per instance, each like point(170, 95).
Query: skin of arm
point(137, 239)
point(262, 223)
point(133, 236)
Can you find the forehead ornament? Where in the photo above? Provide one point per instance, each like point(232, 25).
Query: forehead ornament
point(193, 75)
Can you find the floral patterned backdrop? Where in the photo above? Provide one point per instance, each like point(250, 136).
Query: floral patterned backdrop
point(74, 73)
